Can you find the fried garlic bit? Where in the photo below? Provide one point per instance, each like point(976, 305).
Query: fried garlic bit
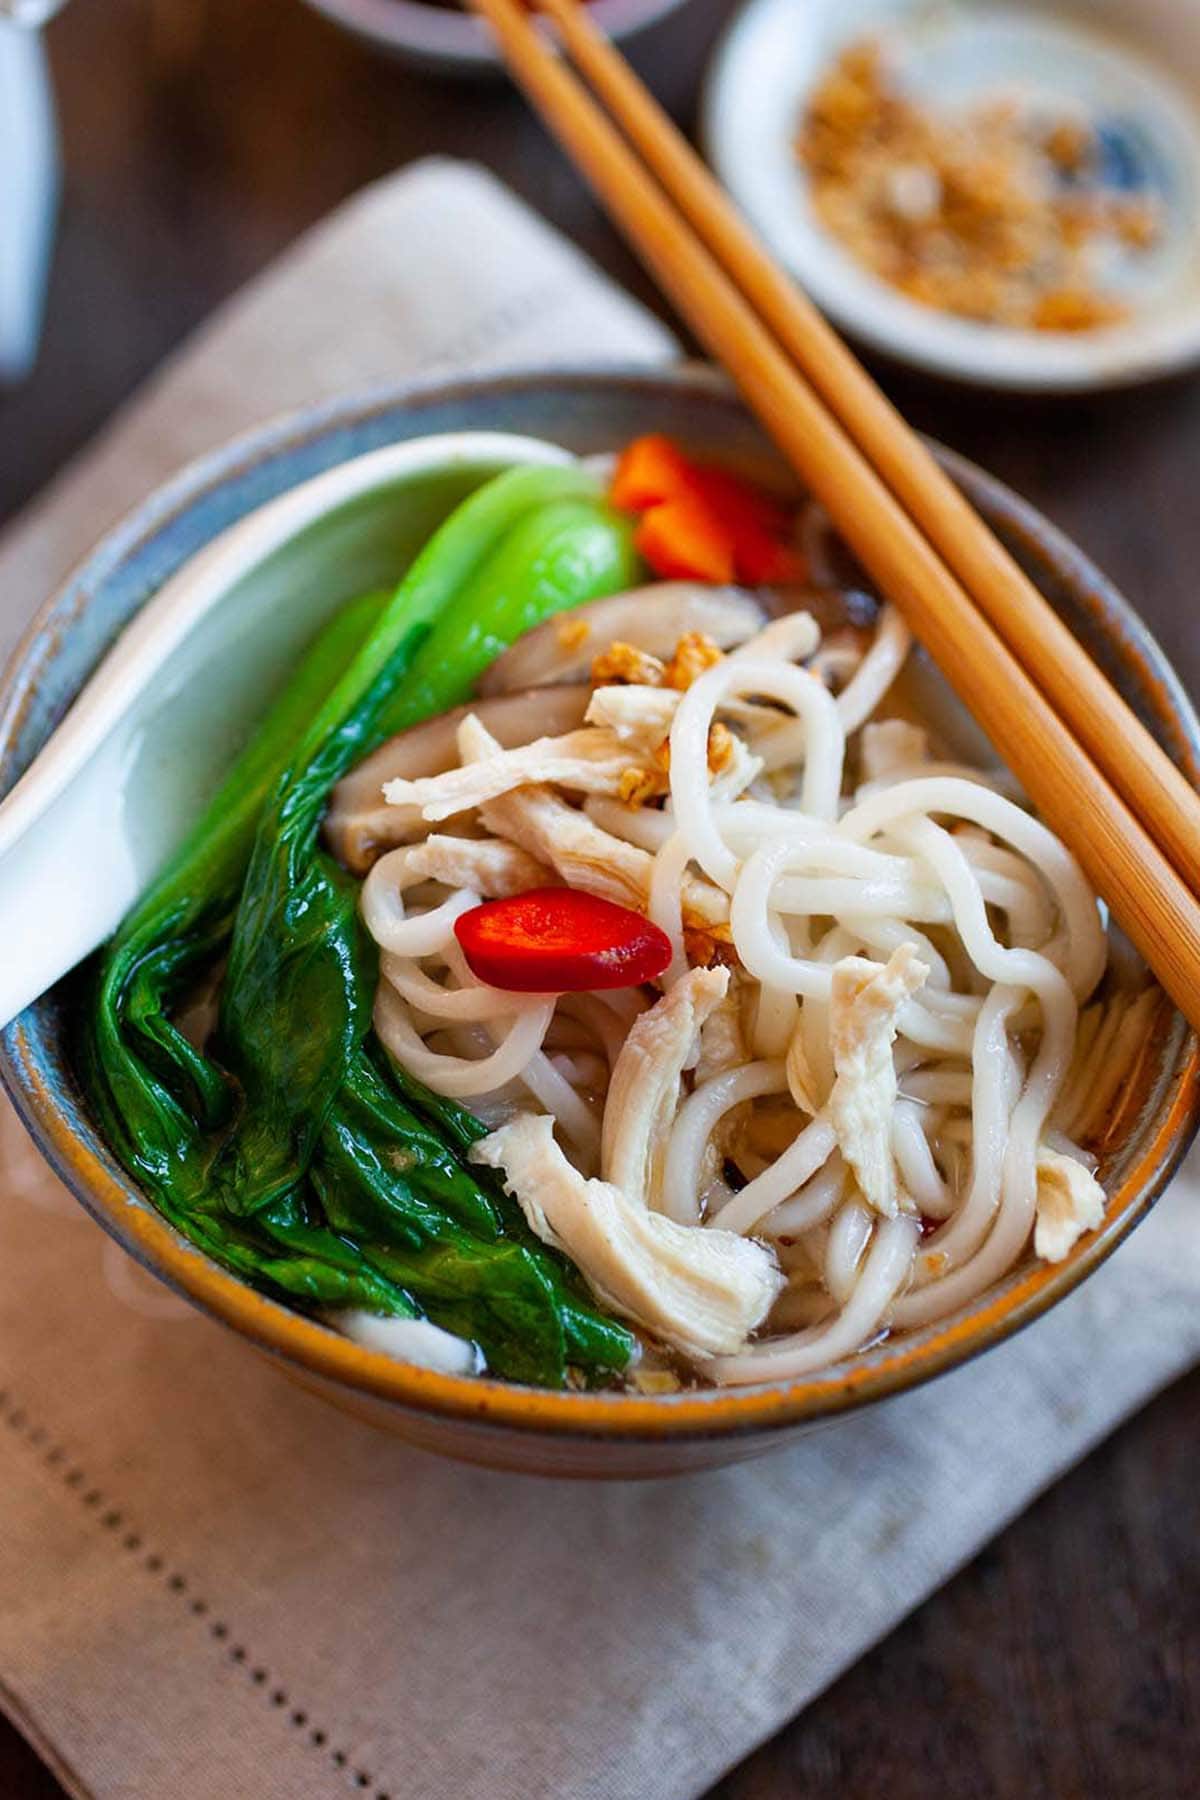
point(710, 947)
point(991, 211)
point(642, 783)
point(720, 748)
point(571, 632)
point(694, 654)
point(639, 785)
point(625, 663)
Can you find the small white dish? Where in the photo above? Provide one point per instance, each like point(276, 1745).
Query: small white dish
point(1131, 66)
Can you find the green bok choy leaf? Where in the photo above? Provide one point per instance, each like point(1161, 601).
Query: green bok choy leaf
point(289, 1149)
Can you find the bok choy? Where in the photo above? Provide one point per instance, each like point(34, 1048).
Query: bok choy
point(288, 1148)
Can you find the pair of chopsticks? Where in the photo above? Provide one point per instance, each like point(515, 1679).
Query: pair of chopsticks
point(1095, 773)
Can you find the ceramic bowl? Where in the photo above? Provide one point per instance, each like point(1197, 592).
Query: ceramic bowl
point(1129, 67)
point(479, 1420)
point(449, 40)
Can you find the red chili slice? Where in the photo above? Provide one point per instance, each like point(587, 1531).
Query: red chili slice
point(558, 941)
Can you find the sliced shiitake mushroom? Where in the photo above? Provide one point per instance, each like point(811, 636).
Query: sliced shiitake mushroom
point(652, 619)
point(360, 824)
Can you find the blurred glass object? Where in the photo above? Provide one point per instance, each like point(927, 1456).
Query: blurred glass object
point(28, 192)
point(30, 12)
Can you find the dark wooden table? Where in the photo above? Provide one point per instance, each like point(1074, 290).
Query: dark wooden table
point(200, 136)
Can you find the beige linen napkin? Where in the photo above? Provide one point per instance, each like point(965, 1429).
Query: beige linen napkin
point(213, 1585)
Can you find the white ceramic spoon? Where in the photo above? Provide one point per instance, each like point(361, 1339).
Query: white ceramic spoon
point(145, 744)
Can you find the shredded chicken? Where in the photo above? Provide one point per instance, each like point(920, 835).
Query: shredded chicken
point(549, 830)
point(589, 761)
point(802, 1083)
point(699, 1289)
point(584, 856)
point(722, 1040)
point(865, 1004)
point(640, 716)
point(360, 825)
point(591, 859)
point(889, 744)
point(1070, 1201)
point(643, 1093)
point(731, 764)
point(489, 866)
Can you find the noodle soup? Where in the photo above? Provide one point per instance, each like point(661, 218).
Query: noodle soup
point(608, 967)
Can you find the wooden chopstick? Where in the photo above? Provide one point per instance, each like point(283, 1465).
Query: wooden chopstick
point(1123, 861)
point(1115, 738)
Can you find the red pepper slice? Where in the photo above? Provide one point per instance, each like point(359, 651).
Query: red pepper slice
point(703, 523)
point(683, 541)
point(558, 941)
point(648, 470)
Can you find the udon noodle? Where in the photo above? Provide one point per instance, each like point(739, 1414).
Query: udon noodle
point(864, 1084)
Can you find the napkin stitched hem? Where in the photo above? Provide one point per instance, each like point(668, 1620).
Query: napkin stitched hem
point(115, 1520)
